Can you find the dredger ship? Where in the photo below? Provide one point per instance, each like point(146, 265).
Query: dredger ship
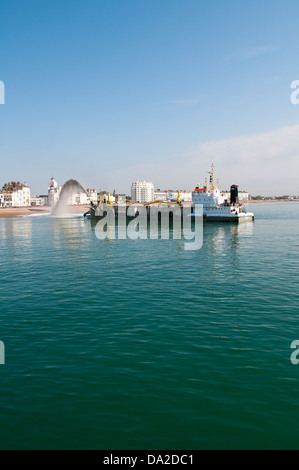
point(216, 207)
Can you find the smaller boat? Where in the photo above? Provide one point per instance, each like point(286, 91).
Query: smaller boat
point(216, 206)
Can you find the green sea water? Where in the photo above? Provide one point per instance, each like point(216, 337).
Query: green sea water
point(122, 344)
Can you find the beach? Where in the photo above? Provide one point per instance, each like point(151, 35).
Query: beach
point(11, 212)
point(258, 201)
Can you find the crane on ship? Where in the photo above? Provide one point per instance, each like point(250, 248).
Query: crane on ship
point(109, 202)
point(178, 201)
point(109, 199)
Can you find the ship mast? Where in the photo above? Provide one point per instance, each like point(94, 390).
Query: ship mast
point(212, 185)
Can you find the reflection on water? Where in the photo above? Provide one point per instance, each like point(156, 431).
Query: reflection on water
point(196, 342)
point(222, 249)
point(16, 236)
point(71, 233)
point(67, 232)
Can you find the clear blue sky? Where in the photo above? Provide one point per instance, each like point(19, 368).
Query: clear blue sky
point(109, 91)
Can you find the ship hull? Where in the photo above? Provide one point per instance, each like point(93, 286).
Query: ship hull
point(224, 214)
point(243, 217)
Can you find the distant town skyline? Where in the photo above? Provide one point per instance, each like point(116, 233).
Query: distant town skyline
point(18, 195)
point(113, 92)
point(147, 192)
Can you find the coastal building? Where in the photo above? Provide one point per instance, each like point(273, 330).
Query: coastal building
point(81, 198)
point(243, 195)
point(120, 198)
point(93, 196)
point(185, 196)
point(15, 194)
point(172, 195)
point(142, 191)
point(160, 195)
point(44, 199)
point(39, 201)
point(76, 199)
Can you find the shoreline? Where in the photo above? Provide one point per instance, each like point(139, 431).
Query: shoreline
point(259, 201)
point(16, 212)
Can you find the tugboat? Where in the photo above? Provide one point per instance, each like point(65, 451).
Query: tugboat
point(216, 207)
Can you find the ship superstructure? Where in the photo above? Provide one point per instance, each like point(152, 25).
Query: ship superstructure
point(216, 206)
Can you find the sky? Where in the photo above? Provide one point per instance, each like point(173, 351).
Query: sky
point(110, 91)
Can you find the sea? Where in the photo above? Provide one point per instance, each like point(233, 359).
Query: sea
point(141, 344)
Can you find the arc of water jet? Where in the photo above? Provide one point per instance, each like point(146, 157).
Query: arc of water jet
point(67, 189)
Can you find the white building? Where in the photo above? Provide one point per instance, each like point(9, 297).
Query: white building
point(161, 195)
point(82, 198)
point(185, 196)
point(15, 195)
point(171, 195)
point(243, 195)
point(76, 199)
point(39, 200)
point(21, 197)
point(142, 191)
point(93, 196)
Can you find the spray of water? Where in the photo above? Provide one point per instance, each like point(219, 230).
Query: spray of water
point(69, 188)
